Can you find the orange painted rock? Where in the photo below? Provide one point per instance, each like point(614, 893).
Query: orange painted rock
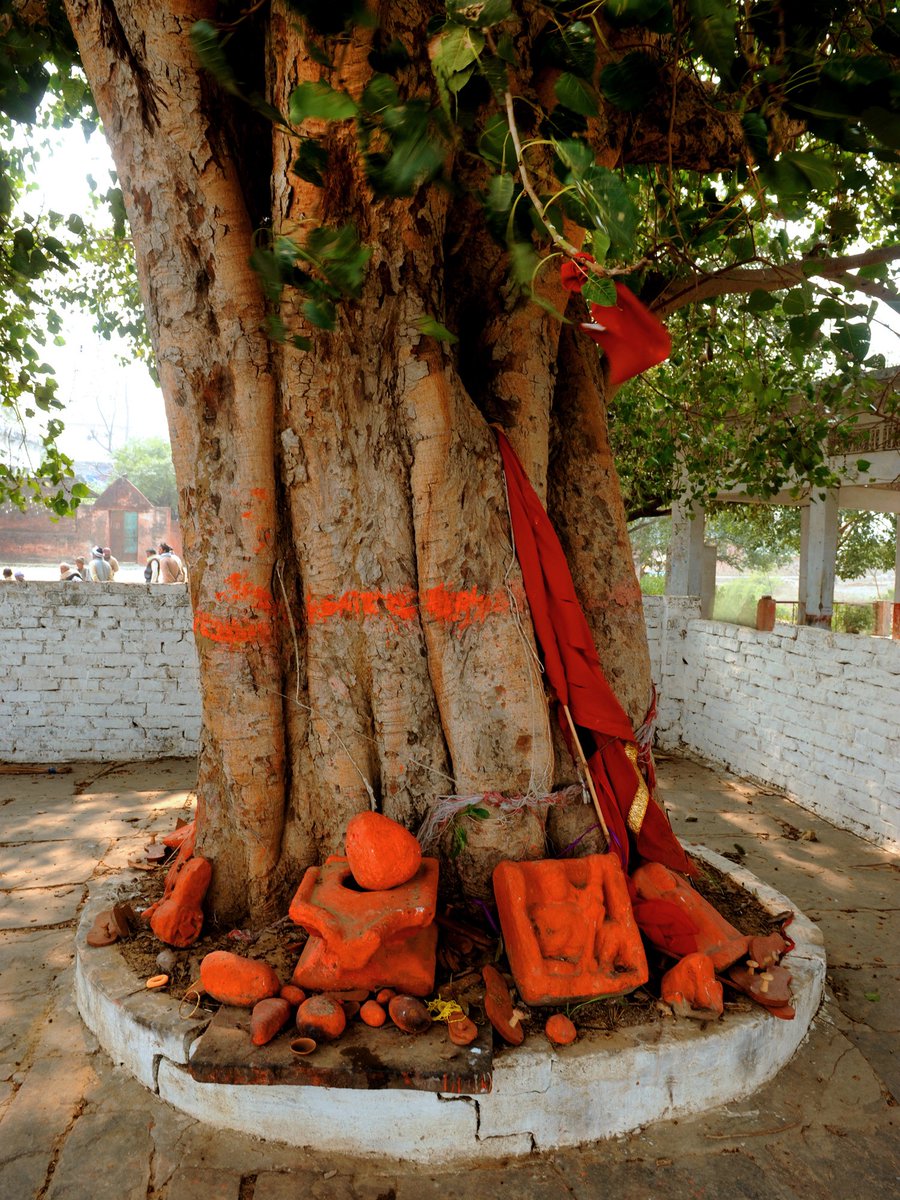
point(461, 1030)
point(499, 1008)
point(691, 989)
point(178, 919)
point(381, 853)
point(294, 995)
point(268, 1018)
point(105, 929)
point(242, 982)
point(409, 1014)
point(176, 839)
point(373, 1014)
point(321, 1018)
point(385, 995)
point(560, 1030)
point(666, 906)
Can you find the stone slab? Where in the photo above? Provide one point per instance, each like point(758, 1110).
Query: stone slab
point(48, 864)
point(361, 1058)
point(105, 1154)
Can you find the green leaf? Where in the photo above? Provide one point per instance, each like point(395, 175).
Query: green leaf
point(381, 93)
point(576, 155)
point(713, 23)
point(523, 262)
point(481, 14)
point(573, 93)
point(600, 291)
point(631, 83)
point(459, 46)
point(208, 47)
point(872, 997)
point(852, 340)
point(573, 48)
point(820, 173)
point(431, 327)
point(756, 131)
point(759, 301)
point(862, 465)
point(500, 193)
point(599, 244)
point(320, 313)
point(479, 813)
point(496, 144)
point(320, 99)
point(311, 161)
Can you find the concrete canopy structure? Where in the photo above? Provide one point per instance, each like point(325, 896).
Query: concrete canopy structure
point(868, 465)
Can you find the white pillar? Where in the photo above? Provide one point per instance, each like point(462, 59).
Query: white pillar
point(708, 583)
point(801, 572)
point(818, 559)
point(684, 573)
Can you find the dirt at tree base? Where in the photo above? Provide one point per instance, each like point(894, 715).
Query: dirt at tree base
point(280, 944)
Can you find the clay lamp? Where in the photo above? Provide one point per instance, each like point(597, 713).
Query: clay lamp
point(461, 1030)
point(499, 1007)
point(105, 929)
point(302, 1046)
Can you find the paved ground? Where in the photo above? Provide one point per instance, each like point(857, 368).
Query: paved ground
point(73, 1126)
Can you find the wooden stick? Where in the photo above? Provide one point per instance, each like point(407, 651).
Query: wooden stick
point(587, 771)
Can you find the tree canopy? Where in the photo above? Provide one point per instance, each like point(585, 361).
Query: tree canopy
point(147, 463)
point(763, 219)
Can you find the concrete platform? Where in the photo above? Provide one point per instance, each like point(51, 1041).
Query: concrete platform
point(543, 1098)
point(76, 1126)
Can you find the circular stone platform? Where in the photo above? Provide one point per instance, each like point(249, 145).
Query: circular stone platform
point(543, 1097)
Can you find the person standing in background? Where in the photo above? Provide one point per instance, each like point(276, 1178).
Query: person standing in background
point(151, 570)
point(171, 568)
point(113, 562)
point(99, 570)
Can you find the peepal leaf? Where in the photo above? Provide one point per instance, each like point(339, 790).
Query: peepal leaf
point(320, 99)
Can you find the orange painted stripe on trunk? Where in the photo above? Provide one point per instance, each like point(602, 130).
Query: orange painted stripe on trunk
point(454, 607)
point(233, 631)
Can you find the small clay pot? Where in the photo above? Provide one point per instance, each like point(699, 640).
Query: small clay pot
point(322, 1018)
point(302, 1046)
point(409, 1014)
point(560, 1030)
point(461, 1030)
point(156, 981)
point(372, 1013)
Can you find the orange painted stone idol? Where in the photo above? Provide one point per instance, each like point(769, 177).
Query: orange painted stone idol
point(568, 928)
point(366, 939)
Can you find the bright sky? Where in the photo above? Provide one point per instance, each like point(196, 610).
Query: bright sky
point(97, 389)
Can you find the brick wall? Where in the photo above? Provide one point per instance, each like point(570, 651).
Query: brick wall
point(807, 710)
point(96, 672)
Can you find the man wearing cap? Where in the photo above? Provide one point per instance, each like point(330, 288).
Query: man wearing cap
point(99, 570)
point(113, 562)
point(19, 577)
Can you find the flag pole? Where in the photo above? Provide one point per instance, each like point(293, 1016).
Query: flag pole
point(587, 771)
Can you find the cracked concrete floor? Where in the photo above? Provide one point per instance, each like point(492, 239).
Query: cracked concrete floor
point(74, 1126)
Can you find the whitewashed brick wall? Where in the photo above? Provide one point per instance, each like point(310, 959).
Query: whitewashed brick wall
point(96, 672)
point(109, 672)
point(810, 711)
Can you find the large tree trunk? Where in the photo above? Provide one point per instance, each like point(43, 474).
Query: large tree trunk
point(361, 626)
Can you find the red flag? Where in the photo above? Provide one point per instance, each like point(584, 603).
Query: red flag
point(574, 672)
point(632, 338)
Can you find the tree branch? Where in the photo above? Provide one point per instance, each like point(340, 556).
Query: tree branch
point(741, 280)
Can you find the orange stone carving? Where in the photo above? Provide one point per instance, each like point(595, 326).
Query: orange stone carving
point(366, 939)
point(691, 989)
point(568, 928)
point(713, 935)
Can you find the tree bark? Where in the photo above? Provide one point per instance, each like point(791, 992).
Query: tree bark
point(361, 627)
